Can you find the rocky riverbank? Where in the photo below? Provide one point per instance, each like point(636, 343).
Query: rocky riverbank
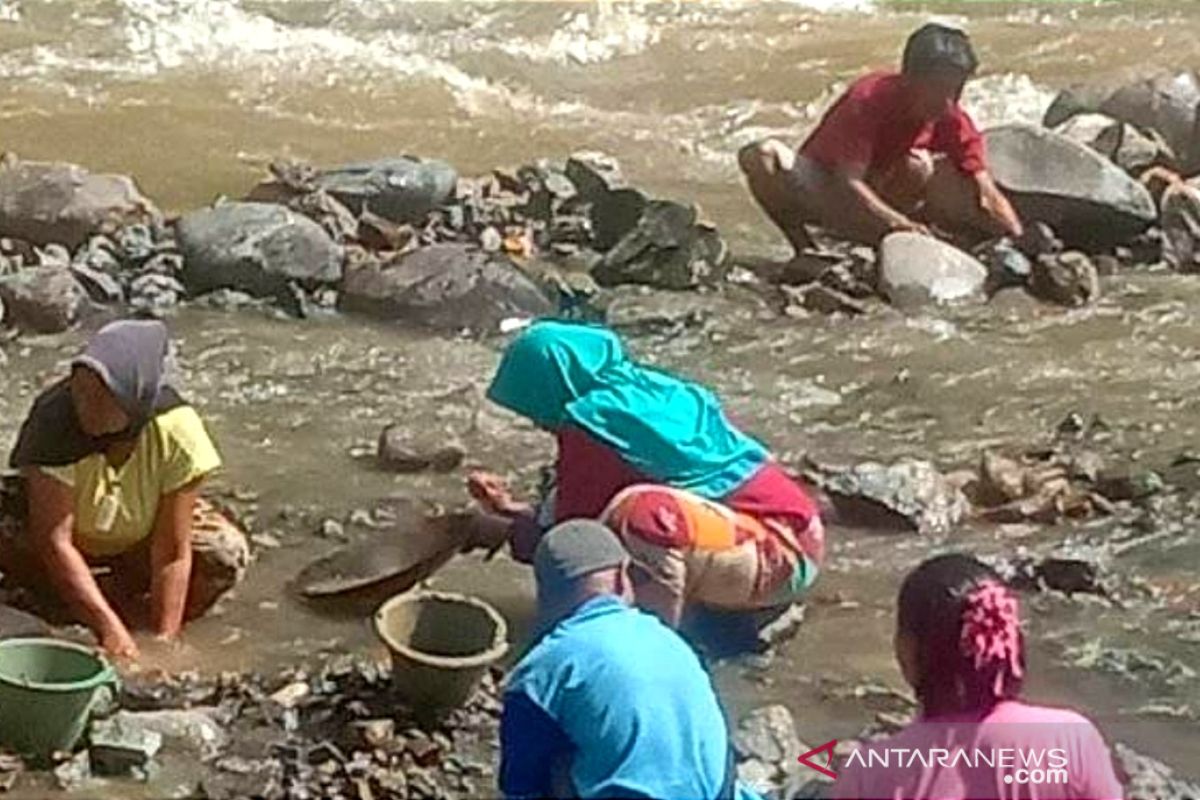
point(409, 241)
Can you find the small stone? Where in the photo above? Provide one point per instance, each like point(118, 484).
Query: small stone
point(1069, 279)
point(118, 746)
point(398, 452)
point(73, 773)
point(375, 732)
point(768, 734)
point(266, 541)
point(490, 240)
point(100, 286)
point(331, 529)
point(291, 695)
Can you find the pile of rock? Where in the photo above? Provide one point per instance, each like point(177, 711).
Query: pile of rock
point(337, 732)
point(401, 239)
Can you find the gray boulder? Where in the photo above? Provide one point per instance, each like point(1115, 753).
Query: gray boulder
point(447, 287)
point(42, 299)
point(1087, 199)
point(1166, 104)
point(400, 189)
point(909, 495)
point(594, 174)
point(916, 270)
point(667, 248)
point(257, 248)
point(1119, 142)
point(1180, 222)
point(50, 202)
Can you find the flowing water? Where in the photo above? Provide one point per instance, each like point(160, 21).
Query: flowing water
point(193, 97)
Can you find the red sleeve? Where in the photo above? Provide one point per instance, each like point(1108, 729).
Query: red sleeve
point(956, 135)
point(846, 135)
point(588, 475)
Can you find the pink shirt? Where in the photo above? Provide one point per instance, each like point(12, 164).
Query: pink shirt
point(1016, 751)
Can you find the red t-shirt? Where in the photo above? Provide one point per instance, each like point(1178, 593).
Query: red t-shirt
point(589, 475)
point(869, 127)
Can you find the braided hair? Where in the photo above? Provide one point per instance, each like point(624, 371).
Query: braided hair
point(966, 623)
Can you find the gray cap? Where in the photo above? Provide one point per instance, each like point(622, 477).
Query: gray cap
point(573, 549)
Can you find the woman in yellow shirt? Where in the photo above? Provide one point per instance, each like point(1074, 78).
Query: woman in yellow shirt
point(112, 460)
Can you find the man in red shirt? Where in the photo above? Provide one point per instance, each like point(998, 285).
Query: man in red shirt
point(895, 153)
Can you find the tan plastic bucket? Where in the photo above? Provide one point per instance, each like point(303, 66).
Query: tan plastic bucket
point(441, 644)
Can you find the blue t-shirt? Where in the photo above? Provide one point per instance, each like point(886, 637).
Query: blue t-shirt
point(626, 699)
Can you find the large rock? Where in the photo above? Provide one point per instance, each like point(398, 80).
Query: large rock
point(667, 248)
point(448, 287)
point(908, 495)
point(1119, 142)
point(916, 270)
point(257, 248)
point(42, 299)
point(767, 747)
point(1180, 223)
point(1087, 199)
point(400, 189)
point(45, 203)
point(1165, 103)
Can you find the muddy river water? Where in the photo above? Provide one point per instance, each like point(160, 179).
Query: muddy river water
point(194, 97)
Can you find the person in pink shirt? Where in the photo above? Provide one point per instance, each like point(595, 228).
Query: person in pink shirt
point(959, 645)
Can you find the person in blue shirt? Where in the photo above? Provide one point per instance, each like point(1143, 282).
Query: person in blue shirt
point(610, 702)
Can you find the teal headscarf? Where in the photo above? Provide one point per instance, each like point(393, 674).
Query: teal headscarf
point(671, 430)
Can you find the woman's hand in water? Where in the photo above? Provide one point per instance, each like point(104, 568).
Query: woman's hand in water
point(117, 642)
point(491, 492)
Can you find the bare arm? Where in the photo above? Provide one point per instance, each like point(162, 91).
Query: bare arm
point(171, 560)
point(51, 526)
point(996, 207)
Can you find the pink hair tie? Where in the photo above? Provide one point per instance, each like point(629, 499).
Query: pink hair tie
point(991, 630)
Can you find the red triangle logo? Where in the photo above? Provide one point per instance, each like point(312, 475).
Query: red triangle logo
point(824, 769)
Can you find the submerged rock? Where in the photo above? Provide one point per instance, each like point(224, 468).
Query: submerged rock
point(1052, 179)
point(907, 495)
point(42, 299)
point(47, 202)
point(1069, 279)
point(447, 287)
point(916, 270)
point(257, 248)
point(400, 451)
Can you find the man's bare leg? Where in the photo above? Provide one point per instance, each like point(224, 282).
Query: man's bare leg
point(767, 165)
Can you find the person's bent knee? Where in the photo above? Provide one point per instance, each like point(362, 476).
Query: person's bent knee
point(765, 157)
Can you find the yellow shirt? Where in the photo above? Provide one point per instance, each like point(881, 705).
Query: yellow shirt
point(173, 450)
